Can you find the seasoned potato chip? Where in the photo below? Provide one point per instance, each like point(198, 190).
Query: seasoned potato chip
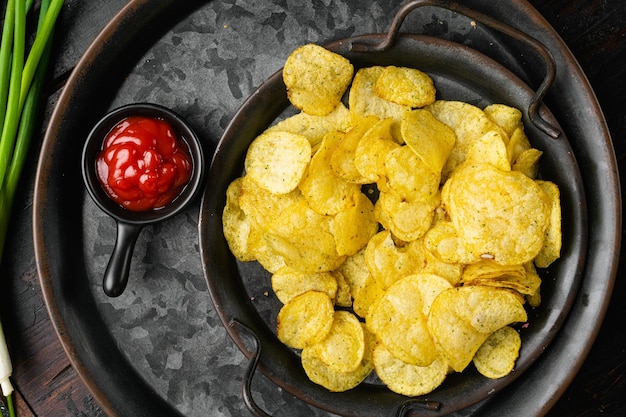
point(388, 262)
point(528, 162)
point(462, 318)
point(468, 122)
point(314, 128)
point(334, 381)
point(514, 277)
point(363, 100)
point(500, 215)
point(518, 144)
point(269, 259)
point(325, 192)
point(429, 287)
point(408, 220)
point(430, 139)
point(305, 320)
point(405, 379)
point(489, 148)
point(398, 321)
point(288, 283)
point(408, 176)
point(354, 226)
point(342, 159)
point(316, 79)
point(497, 355)
point(235, 224)
point(355, 272)
point(443, 241)
point(344, 292)
point(551, 249)
point(277, 160)
point(343, 348)
point(372, 149)
point(367, 296)
point(406, 86)
point(507, 117)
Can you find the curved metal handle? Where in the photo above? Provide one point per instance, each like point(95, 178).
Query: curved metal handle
point(533, 108)
point(246, 386)
point(116, 274)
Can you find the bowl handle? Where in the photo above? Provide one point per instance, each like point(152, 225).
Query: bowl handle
point(533, 108)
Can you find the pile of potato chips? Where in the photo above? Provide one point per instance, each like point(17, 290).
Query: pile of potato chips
point(402, 232)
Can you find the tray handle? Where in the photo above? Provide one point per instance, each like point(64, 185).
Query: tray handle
point(246, 386)
point(533, 108)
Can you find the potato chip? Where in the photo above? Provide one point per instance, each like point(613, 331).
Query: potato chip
point(408, 176)
point(518, 144)
point(343, 348)
point(235, 224)
point(528, 162)
point(354, 226)
point(316, 79)
point(406, 86)
point(551, 249)
point(489, 148)
point(367, 296)
point(288, 283)
point(344, 292)
point(363, 100)
point(430, 139)
point(443, 241)
point(388, 262)
point(354, 271)
point(325, 192)
point(397, 319)
point(277, 160)
point(408, 220)
point(500, 215)
point(533, 300)
point(334, 381)
point(264, 254)
point(405, 379)
point(488, 273)
point(462, 318)
point(372, 149)
point(507, 117)
point(314, 128)
point(342, 159)
point(497, 355)
point(305, 320)
point(429, 287)
point(469, 124)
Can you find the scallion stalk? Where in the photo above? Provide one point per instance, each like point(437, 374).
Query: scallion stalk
point(21, 85)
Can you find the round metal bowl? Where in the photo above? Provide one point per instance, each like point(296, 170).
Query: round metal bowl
point(459, 73)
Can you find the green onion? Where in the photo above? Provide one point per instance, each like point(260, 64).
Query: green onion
point(21, 85)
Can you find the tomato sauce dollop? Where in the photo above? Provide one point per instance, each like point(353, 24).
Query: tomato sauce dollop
point(143, 164)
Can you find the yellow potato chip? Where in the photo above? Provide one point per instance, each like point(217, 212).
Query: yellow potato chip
point(372, 149)
point(325, 192)
point(406, 86)
point(462, 318)
point(431, 140)
point(277, 160)
point(344, 292)
point(405, 379)
point(507, 117)
point(518, 144)
point(397, 319)
point(265, 255)
point(551, 249)
point(429, 287)
point(367, 296)
point(408, 176)
point(334, 381)
point(316, 79)
point(314, 128)
point(497, 355)
point(354, 226)
point(288, 283)
point(305, 320)
point(499, 215)
point(408, 220)
point(489, 273)
point(469, 124)
point(388, 262)
point(235, 224)
point(363, 100)
point(355, 272)
point(343, 347)
point(443, 241)
point(528, 162)
point(342, 159)
point(489, 148)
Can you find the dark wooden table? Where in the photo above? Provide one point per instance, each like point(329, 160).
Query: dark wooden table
point(47, 385)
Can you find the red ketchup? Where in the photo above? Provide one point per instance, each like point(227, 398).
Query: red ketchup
point(143, 165)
